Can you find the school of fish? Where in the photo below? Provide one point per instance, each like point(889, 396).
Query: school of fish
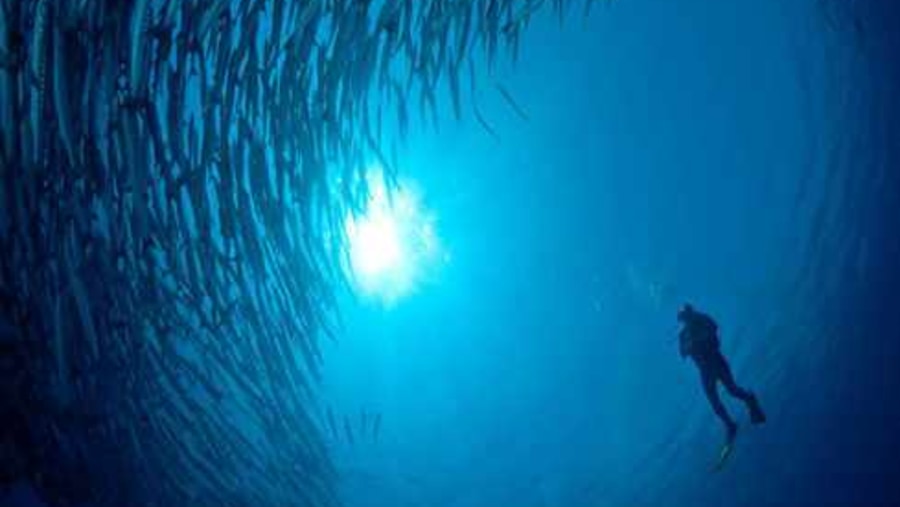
point(168, 223)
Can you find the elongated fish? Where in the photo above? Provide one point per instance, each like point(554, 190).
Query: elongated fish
point(511, 101)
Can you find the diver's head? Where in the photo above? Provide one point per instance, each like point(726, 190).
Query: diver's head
point(685, 312)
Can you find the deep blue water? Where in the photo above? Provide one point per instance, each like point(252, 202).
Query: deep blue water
point(738, 155)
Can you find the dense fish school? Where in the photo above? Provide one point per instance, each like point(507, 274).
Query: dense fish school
point(174, 176)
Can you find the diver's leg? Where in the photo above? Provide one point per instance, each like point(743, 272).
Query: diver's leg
point(731, 386)
point(756, 414)
point(712, 394)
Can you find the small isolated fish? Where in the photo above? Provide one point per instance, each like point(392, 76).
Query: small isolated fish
point(453, 81)
point(512, 102)
point(487, 127)
point(363, 422)
point(332, 425)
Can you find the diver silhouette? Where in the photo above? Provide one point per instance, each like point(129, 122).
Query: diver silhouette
point(699, 340)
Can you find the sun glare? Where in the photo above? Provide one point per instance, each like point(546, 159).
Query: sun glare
point(393, 245)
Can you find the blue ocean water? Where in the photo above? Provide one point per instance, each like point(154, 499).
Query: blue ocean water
point(738, 155)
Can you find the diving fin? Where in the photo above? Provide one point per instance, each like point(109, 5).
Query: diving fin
point(757, 416)
point(723, 456)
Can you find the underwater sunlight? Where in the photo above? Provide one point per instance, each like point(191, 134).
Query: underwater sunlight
point(393, 243)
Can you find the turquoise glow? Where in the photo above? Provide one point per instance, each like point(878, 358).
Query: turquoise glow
point(393, 243)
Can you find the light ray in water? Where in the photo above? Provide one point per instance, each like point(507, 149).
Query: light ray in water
point(393, 241)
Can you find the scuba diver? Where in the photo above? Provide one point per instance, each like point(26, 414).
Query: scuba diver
point(699, 339)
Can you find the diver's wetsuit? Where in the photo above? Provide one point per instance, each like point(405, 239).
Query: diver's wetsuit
point(699, 340)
